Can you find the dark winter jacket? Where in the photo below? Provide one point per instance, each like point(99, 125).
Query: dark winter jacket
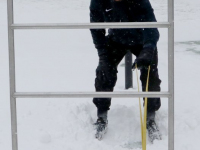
point(123, 11)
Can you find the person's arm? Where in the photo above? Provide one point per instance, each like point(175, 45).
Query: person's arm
point(150, 35)
point(146, 14)
point(98, 35)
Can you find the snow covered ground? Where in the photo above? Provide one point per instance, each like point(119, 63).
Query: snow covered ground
point(65, 60)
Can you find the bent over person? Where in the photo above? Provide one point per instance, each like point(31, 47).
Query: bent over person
point(113, 47)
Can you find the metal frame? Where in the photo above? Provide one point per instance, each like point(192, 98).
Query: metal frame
point(169, 94)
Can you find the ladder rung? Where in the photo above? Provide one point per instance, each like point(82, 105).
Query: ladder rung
point(90, 94)
point(91, 25)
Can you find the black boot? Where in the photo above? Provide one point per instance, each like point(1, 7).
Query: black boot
point(152, 128)
point(101, 128)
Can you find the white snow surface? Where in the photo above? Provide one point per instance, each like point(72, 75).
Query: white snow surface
point(65, 60)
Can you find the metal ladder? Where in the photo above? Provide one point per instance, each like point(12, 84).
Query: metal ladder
point(170, 94)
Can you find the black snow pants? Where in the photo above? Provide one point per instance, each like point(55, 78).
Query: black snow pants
point(116, 53)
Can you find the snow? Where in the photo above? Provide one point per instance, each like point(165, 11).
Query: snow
point(65, 60)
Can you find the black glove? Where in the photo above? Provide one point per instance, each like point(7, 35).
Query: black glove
point(145, 58)
point(106, 71)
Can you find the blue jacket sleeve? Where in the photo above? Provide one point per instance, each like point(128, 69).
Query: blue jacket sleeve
point(96, 15)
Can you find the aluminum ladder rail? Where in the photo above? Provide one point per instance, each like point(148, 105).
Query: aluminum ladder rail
point(170, 94)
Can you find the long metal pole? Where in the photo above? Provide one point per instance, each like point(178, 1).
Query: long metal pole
point(128, 71)
point(12, 75)
point(171, 74)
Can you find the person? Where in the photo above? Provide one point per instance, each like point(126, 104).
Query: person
point(112, 47)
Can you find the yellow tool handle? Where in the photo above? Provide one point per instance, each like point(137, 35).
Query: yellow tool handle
point(143, 123)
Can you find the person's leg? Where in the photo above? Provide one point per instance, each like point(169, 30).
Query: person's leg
point(154, 82)
point(153, 104)
point(105, 81)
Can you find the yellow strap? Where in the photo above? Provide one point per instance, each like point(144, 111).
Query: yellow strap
point(143, 123)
